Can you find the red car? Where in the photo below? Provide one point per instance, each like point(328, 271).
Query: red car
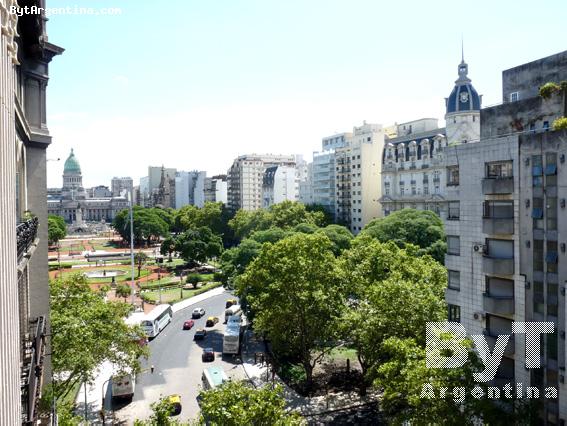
point(187, 325)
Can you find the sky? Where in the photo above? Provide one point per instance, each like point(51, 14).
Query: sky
point(192, 84)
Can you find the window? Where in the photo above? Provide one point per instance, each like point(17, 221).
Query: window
point(538, 255)
point(454, 280)
point(499, 209)
point(546, 125)
point(499, 169)
point(513, 96)
point(551, 213)
point(426, 190)
point(453, 175)
point(538, 297)
point(500, 249)
point(551, 169)
point(453, 245)
point(537, 213)
point(552, 307)
point(552, 344)
point(454, 210)
point(454, 313)
point(551, 256)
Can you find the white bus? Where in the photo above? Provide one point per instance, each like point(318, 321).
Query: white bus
point(123, 386)
point(213, 377)
point(231, 338)
point(233, 310)
point(157, 319)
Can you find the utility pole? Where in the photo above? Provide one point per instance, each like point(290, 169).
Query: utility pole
point(131, 244)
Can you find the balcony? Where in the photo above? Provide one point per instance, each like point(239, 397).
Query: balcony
point(497, 266)
point(498, 186)
point(26, 233)
point(491, 341)
point(31, 377)
point(497, 225)
point(501, 305)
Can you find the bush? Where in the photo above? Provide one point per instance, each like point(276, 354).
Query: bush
point(560, 124)
point(217, 276)
point(293, 374)
point(549, 89)
point(194, 279)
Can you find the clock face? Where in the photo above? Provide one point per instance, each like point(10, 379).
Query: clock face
point(464, 97)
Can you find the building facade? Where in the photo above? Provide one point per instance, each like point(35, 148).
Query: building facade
point(77, 205)
point(190, 188)
point(280, 183)
point(216, 189)
point(25, 55)
point(121, 185)
point(245, 179)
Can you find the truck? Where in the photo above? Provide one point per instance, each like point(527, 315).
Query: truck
point(233, 310)
point(123, 386)
point(231, 338)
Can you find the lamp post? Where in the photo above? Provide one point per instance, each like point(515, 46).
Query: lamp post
point(159, 283)
point(131, 244)
point(103, 394)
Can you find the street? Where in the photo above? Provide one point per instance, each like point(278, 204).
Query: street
point(177, 364)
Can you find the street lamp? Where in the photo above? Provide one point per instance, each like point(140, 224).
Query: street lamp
point(131, 244)
point(103, 394)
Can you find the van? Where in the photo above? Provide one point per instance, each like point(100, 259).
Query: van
point(213, 377)
point(230, 302)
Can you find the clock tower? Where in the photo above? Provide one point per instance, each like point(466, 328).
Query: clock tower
point(462, 117)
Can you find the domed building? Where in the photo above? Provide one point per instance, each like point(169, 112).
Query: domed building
point(462, 117)
point(73, 204)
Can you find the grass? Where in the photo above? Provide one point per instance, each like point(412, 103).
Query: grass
point(343, 353)
point(174, 294)
point(118, 279)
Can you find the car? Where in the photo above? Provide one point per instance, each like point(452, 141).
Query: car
point(230, 302)
point(200, 334)
point(198, 313)
point(175, 402)
point(211, 321)
point(187, 325)
point(208, 355)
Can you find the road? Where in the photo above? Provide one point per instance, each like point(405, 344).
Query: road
point(178, 366)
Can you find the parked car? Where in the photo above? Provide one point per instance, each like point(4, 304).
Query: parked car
point(230, 302)
point(175, 401)
point(200, 334)
point(211, 321)
point(208, 355)
point(187, 325)
point(198, 313)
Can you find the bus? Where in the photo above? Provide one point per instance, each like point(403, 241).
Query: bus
point(213, 377)
point(123, 386)
point(233, 310)
point(157, 319)
point(134, 319)
point(231, 338)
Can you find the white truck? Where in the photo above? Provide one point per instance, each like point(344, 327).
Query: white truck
point(233, 310)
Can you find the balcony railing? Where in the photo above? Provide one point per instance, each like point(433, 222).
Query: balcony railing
point(502, 305)
point(497, 225)
point(491, 337)
point(498, 185)
point(497, 266)
point(31, 377)
point(25, 234)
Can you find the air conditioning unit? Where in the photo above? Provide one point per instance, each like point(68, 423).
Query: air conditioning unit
point(480, 248)
point(478, 315)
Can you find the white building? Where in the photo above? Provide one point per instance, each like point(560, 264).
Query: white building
point(357, 175)
point(279, 184)
point(216, 189)
point(245, 179)
point(190, 188)
point(120, 185)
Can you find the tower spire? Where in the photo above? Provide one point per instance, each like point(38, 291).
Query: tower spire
point(462, 50)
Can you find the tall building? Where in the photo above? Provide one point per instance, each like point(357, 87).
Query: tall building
point(279, 184)
point(190, 189)
point(357, 175)
point(77, 205)
point(25, 55)
point(245, 179)
point(216, 189)
point(323, 171)
point(507, 235)
point(120, 185)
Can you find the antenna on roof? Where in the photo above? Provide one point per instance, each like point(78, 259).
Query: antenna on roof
point(462, 49)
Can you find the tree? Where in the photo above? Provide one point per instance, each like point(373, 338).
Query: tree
point(167, 247)
point(245, 222)
point(234, 261)
point(395, 292)
point(161, 414)
point(293, 289)
point(140, 258)
point(271, 235)
point(193, 279)
point(327, 214)
point(148, 224)
point(422, 228)
point(340, 236)
point(305, 228)
point(87, 331)
point(124, 291)
point(56, 229)
point(236, 403)
point(198, 245)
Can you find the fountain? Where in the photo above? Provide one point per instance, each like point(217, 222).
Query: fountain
point(107, 273)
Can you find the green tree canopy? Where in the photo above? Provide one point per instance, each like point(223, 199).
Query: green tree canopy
point(340, 236)
point(293, 290)
point(198, 245)
point(271, 235)
point(87, 331)
point(422, 228)
point(148, 224)
point(56, 229)
point(123, 290)
point(235, 260)
point(236, 404)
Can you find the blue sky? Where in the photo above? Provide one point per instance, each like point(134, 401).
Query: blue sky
point(192, 84)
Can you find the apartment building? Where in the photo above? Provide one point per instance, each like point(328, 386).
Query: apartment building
point(358, 166)
point(25, 55)
point(245, 179)
point(121, 185)
point(216, 189)
point(507, 235)
point(280, 183)
point(190, 188)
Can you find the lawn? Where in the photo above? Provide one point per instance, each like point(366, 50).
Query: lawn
point(343, 353)
point(118, 279)
point(175, 294)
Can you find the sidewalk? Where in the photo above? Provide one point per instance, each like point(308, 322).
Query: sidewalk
point(258, 376)
point(99, 387)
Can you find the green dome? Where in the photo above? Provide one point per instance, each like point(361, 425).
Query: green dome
point(72, 165)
